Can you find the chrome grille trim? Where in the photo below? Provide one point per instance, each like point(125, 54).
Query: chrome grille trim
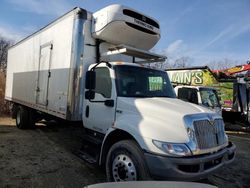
point(209, 134)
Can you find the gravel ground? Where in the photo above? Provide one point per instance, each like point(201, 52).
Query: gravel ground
point(44, 157)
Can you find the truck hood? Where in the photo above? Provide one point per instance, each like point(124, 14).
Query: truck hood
point(156, 118)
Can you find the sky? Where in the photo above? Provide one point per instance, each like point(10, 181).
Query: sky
point(202, 30)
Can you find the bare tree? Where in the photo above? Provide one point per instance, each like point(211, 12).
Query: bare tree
point(222, 64)
point(180, 62)
point(4, 46)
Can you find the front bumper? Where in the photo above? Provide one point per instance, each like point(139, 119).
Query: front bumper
point(189, 168)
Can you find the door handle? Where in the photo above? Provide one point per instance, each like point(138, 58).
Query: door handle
point(109, 103)
point(87, 111)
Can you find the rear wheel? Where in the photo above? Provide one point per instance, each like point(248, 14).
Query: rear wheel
point(25, 117)
point(32, 118)
point(22, 116)
point(125, 162)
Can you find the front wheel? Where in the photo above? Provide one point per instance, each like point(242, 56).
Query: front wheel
point(125, 162)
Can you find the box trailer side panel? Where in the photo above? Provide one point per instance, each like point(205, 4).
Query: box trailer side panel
point(39, 68)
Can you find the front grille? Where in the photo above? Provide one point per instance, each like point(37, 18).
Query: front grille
point(209, 134)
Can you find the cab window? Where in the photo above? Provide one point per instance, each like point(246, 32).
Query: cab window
point(103, 82)
point(188, 94)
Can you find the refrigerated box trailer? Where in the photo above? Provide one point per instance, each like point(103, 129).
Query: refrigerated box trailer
point(87, 67)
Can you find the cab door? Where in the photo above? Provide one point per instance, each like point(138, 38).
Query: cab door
point(99, 116)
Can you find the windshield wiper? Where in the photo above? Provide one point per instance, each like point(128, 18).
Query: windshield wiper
point(148, 96)
point(139, 96)
point(166, 96)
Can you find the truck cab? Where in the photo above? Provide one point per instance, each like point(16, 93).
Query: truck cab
point(136, 111)
point(200, 95)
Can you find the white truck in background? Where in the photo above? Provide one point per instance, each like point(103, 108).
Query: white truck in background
point(85, 67)
point(200, 95)
point(191, 85)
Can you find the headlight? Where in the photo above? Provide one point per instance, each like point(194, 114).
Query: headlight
point(172, 149)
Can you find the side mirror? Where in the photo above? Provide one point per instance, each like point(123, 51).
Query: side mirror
point(90, 94)
point(90, 80)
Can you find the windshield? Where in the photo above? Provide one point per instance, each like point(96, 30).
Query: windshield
point(209, 97)
point(134, 81)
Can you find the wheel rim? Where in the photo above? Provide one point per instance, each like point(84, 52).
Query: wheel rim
point(18, 118)
point(123, 169)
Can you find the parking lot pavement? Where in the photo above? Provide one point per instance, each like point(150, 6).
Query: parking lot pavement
point(44, 157)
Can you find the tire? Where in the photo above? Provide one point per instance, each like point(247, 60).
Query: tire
point(32, 119)
point(125, 162)
point(24, 118)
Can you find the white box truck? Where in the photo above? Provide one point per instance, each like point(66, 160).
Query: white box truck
point(88, 67)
